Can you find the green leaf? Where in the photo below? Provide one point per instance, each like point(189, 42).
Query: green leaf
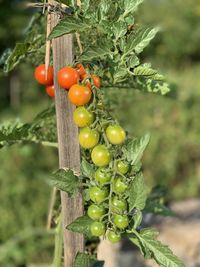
point(139, 39)
point(160, 252)
point(130, 6)
point(87, 169)
point(81, 225)
point(96, 52)
point(16, 56)
point(144, 71)
point(133, 61)
point(103, 9)
point(85, 4)
point(84, 260)
point(151, 86)
point(65, 180)
point(137, 193)
point(119, 29)
point(11, 133)
point(133, 149)
point(69, 25)
point(120, 74)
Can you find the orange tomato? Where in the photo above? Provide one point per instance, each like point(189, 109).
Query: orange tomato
point(41, 77)
point(80, 69)
point(96, 80)
point(67, 77)
point(79, 95)
point(50, 90)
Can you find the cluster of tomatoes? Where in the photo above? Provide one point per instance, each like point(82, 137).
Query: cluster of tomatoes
point(99, 136)
point(76, 80)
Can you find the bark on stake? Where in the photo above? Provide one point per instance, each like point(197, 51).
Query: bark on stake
point(69, 151)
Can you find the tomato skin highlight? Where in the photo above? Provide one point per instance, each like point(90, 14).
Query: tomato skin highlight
point(82, 117)
point(95, 80)
point(102, 176)
point(79, 95)
point(97, 229)
point(119, 185)
point(50, 90)
point(97, 194)
point(67, 77)
point(88, 138)
point(121, 221)
point(122, 167)
point(41, 77)
point(118, 205)
point(113, 237)
point(95, 212)
point(101, 156)
point(115, 134)
point(80, 69)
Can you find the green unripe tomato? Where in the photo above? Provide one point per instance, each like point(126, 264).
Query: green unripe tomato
point(118, 205)
point(88, 138)
point(97, 194)
point(102, 176)
point(121, 221)
point(101, 156)
point(97, 229)
point(122, 167)
point(95, 212)
point(115, 134)
point(113, 237)
point(82, 117)
point(119, 185)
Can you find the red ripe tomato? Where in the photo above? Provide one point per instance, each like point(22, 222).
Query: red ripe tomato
point(67, 77)
point(80, 69)
point(40, 75)
point(95, 80)
point(79, 95)
point(50, 90)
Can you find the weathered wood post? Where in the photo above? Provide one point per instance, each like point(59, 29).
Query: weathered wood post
point(69, 152)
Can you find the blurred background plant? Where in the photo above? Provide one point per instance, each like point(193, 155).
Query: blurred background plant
point(172, 158)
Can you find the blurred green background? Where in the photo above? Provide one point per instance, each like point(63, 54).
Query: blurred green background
point(172, 158)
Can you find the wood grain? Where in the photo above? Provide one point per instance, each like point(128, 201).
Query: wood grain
point(69, 151)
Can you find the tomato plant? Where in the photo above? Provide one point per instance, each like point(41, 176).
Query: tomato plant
point(111, 175)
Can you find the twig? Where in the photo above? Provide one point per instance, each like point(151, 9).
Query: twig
point(78, 34)
point(51, 207)
point(79, 42)
point(48, 42)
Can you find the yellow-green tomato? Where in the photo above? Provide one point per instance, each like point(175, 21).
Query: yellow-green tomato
point(97, 229)
point(101, 156)
point(88, 138)
point(102, 176)
point(95, 212)
point(118, 205)
point(121, 221)
point(115, 134)
point(119, 185)
point(82, 117)
point(113, 237)
point(122, 167)
point(97, 194)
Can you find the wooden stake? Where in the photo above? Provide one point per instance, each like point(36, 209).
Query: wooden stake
point(69, 151)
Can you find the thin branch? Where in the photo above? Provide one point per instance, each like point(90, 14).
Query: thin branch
point(51, 207)
point(79, 42)
point(48, 42)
